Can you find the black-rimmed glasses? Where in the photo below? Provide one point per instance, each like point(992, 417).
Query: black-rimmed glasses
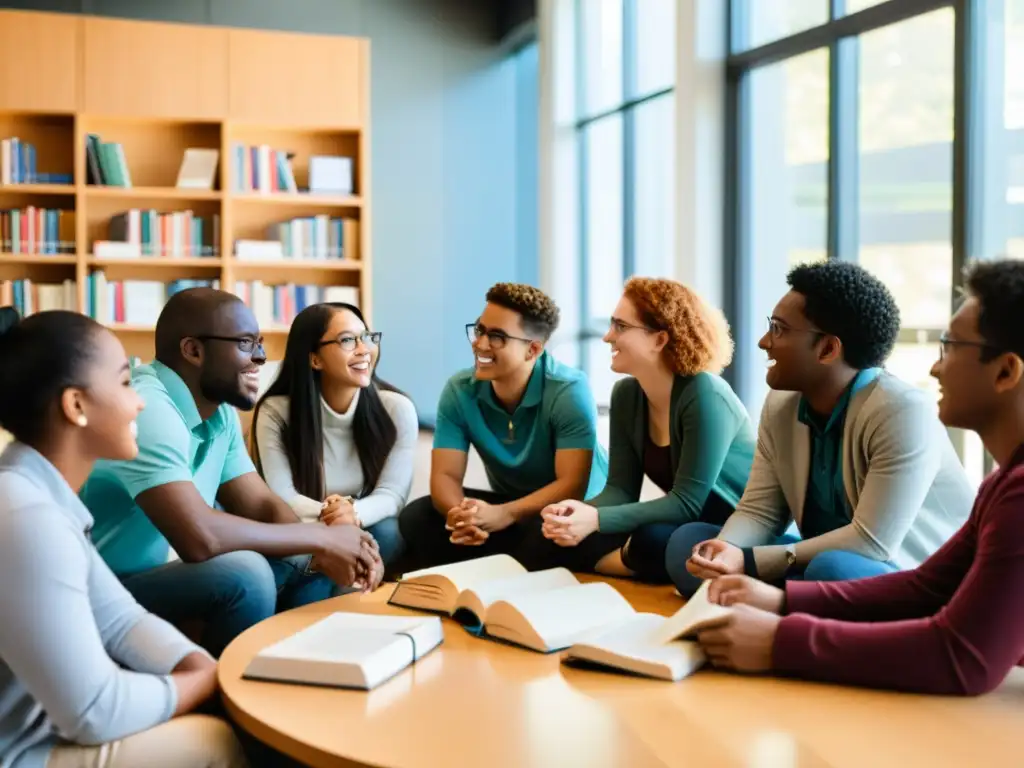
point(777, 328)
point(945, 341)
point(246, 344)
point(349, 341)
point(497, 339)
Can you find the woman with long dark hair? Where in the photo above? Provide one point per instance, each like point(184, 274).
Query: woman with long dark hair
point(87, 676)
point(331, 438)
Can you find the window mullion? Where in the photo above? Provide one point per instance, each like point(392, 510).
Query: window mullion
point(844, 149)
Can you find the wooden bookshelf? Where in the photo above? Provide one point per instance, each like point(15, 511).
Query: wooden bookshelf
point(156, 90)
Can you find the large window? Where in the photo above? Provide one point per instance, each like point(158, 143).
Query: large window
point(886, 132)
point(625, 118)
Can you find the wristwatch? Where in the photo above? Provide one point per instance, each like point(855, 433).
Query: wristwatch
point(790, 555)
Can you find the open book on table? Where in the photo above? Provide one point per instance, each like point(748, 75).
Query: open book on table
point(348, 650)
point(496, 597)
point(650, 645)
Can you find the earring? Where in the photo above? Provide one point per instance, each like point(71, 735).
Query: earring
point(82, 421)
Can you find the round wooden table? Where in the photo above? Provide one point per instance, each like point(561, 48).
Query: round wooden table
point(475, 702)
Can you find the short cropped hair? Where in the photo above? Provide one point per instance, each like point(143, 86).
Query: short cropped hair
point(999, 288)
point(698, 333)
point(845, 300)
point(539, 312)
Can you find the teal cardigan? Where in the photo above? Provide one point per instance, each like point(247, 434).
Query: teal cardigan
point(712, 447)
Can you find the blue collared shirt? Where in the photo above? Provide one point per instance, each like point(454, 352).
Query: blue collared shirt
point(826, 506)
point(175, 445)
point(557, 412)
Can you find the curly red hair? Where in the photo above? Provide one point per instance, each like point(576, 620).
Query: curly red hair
point(699, 339)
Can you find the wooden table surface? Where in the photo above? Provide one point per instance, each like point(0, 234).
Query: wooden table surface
point(475, 702)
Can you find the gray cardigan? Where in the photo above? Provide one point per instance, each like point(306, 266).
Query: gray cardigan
point(80, 659)
point(905, 484)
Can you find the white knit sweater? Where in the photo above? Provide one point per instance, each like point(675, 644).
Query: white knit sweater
point(343, 473)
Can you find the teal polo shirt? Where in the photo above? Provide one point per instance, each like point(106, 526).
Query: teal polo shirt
point(557, 412)
point(175, 445)
point(826, 506)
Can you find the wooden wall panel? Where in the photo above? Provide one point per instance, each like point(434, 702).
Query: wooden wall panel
point(145, 69)
point(39, 61)
point(294, 79)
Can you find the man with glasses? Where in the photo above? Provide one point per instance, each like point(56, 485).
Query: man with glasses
point(953, 625)
point(854, 456)
point(193, 487)
point(533, 422)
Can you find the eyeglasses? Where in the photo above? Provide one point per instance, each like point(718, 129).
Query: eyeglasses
point(246, 344)
point(945, 342)
point(349, 341)
point(620, 326)
point(776, 329)
point(497, 339)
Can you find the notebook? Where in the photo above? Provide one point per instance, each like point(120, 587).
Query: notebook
point(348, 650)
point(650, 645)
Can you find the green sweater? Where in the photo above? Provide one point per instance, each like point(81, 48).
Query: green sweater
point(712, 448)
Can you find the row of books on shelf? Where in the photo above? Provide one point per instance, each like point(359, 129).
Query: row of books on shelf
point(179, 234)
point(135, 302)
point(29, 297)
point(105, 163)
point(318, 238)
point(18, 165)
point(263, 169)
point(34, 230)
point(275, 306)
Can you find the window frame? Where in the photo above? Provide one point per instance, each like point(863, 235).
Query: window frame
point(973, 61)
point(592, 327)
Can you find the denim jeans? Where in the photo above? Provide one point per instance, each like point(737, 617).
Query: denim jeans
point(228, 593)
point(389, 539)
point(831, 565)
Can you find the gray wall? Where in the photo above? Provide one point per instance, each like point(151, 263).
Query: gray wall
point(447, 213)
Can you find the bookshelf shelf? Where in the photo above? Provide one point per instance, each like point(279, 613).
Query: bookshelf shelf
point(37, 189)
point(133, 98)
point(300, 199)
point(297, 265)
point(152, 193)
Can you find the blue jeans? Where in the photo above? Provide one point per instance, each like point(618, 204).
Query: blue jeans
point(831, 565)
point(228, 593)
point(389, 539)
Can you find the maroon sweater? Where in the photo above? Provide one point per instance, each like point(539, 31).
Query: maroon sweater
point(954, 625)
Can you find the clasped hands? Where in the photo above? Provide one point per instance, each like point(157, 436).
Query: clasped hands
point(369, 568)
point(569, 522)
point(473, 521)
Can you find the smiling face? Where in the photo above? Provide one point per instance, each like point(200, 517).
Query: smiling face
point(339, 365)
point(231, 364)
point(793, 346)
point(634, 346)
point(109, 402)
point(501, 346)
point(970, 388)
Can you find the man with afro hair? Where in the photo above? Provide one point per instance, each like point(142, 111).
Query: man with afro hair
point(953, 625)
point(854, 456)
point(532, 420)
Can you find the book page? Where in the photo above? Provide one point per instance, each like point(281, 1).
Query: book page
point(697, 613)
point(477, 599)
point(560, 617)
point(471, 572)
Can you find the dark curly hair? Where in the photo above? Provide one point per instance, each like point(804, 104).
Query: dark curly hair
point(698, 333)
point(540, 314)
point(999, 288)
point(847, 301)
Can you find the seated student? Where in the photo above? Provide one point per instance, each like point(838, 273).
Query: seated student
point(675, 420)
point(532, 420)
point(853, 454)
point(329, 431)
point(953, 625)
point(232, 573)
point(87, 676)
